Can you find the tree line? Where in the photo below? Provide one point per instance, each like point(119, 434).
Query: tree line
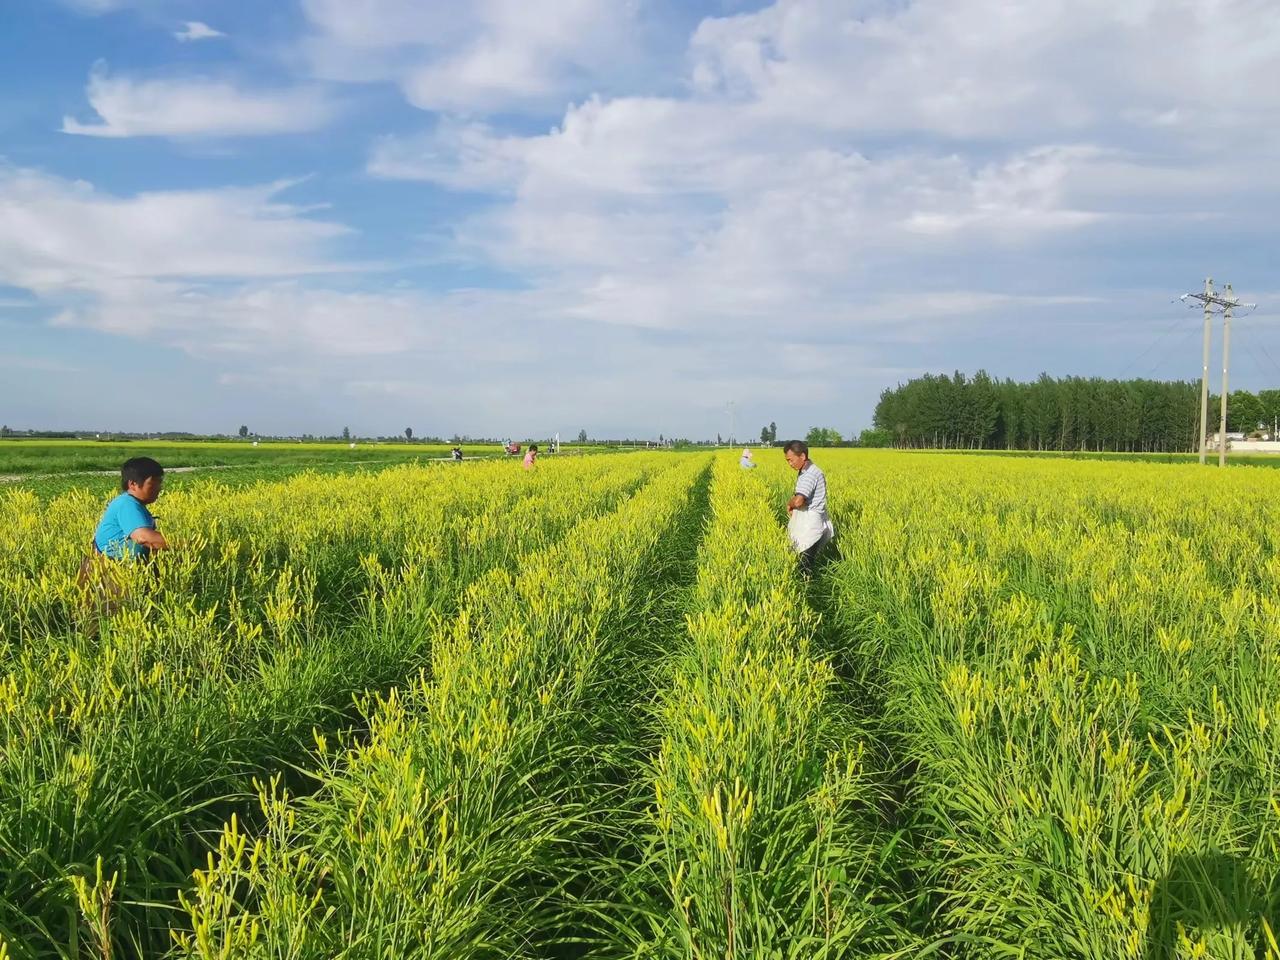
point(1070, 413)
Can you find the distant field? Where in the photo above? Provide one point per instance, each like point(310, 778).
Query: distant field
point(1233, 459)
point(53, 467)
point(104, 486)
point(66, 456)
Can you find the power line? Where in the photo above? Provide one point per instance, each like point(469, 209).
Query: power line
point(1256, 365)
point(1251, 344)
point(1176, 345)
point(1262, 374)
point(1270, 359)
point(1177, 322)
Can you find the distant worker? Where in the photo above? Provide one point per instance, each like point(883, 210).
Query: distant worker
point(810, 527)
point(456, 453)
point(126, 532)
point(745, 461)
point(531, 457)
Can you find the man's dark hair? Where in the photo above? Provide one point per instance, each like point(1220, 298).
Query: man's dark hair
point(796, 446)
point(139, 470)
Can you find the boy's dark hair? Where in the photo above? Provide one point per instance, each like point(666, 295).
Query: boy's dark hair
point(139, 470)
point(533, 447)
point(796, 446)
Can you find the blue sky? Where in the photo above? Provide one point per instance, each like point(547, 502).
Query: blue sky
point(517, 217)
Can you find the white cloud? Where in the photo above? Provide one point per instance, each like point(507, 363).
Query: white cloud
point(237, 276)
point(996, 68)
point(483, 55)
point(233, 270)
point(199, 107)
point(59, 235)
point(257, 320)
point(195, 30)
point(672, 214)
point(859, 192)
point(462, 156)
point(777, 186)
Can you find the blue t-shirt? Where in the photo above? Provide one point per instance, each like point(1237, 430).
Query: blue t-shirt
point(125, 514)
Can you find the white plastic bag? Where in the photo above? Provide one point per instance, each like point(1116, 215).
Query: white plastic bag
point(805, 528)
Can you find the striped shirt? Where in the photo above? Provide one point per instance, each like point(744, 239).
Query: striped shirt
point(812, 485)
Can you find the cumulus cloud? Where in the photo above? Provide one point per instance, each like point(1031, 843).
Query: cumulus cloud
point(196, 107)
point(461, 156)
point(61, 234)
point(671, 214)
point(195, 30)
point(213, 271)
point(229, 271)
point(826, 145)
point(257, 320)
point(478, 56)
point(981, 68)
point(242, 277)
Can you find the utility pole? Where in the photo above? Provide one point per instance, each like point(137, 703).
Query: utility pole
point(1226, 352)
point(1204, 373)
point(1211, 300)
point(733, 423)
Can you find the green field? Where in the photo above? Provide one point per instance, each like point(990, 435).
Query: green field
point(1233, 459)
point(208, 479)
point(67, 456)
point(52, 467)
point(1023, 708)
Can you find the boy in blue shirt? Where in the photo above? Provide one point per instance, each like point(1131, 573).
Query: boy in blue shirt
point(127, 530)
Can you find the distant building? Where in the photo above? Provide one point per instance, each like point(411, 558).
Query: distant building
point(1244, 443)
point(1253, 446)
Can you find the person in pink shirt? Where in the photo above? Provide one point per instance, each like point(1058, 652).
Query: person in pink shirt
point(531, 457)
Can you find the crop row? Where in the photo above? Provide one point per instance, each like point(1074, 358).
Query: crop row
point(761, 830)
point(448, 830)
point(1080, 672)
point(125, 742)
point(236, 541)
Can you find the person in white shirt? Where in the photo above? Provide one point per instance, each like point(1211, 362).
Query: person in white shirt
point(810, 526)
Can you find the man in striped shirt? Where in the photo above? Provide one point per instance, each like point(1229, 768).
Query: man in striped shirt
point(810, 496)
